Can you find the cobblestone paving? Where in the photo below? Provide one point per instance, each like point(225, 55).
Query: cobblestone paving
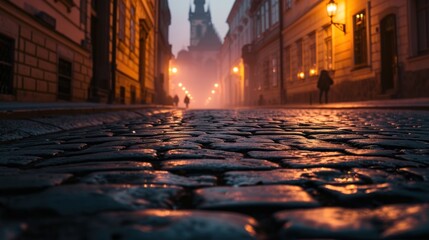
point(238, 174)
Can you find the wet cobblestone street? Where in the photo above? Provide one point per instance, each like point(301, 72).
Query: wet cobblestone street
point(223, 174)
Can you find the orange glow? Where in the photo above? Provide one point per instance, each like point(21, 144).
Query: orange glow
point(313, 72)
point(174, 70)
point(183, 88)
point(213, 91)
point(331, 8)
point(235, 69)
point(301, 75)
point(180, 84)
point(216, 85)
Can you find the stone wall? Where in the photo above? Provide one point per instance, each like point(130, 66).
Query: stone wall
point(37, 51)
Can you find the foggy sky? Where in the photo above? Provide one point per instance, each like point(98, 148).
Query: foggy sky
point(179, 29)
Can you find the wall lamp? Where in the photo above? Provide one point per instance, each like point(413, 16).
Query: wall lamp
point(331, 9)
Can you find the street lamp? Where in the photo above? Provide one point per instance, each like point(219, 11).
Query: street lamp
point(216, 85)
point(235, 70)
point(331, 9)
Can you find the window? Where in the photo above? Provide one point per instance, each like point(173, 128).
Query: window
point(312, 50)
point(267, 15)
point(360, 41)
point(274, 71)
point(328, 49)
point(287, 64)
point(132, 28)
point(422, 13)
point(274, 11)
point(133, 95)
point(262, 11)
point(121, 24)
point(122, 95)
point(7, 51)
point(199, 31)
point(258, 24)
point(299, 56)
point(83, 12)
point(64, 79)
point(266, 73)
point(299, 60)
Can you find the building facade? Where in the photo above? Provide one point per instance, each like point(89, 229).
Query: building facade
point(262, 56)
point(124, 51)
point(232, 67)
point(45, 50)
point(377, 49)
point(164, 52)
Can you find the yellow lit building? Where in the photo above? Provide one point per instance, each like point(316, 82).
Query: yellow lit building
point(373, 49)
point(130, 26)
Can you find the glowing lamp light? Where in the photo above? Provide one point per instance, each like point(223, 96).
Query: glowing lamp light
point(186, 92)
point(183, 88)
point(331, 8)
point(312, 72)
point(235, 69)
point(213, 91)
point(180, 84)
point(216, 85)
point(301, 75)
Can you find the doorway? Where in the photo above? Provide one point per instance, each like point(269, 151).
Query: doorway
point(389, 53)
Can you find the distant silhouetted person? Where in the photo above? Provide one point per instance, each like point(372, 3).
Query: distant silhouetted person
point(176, 100)
point(261, 100)
point(186, 101)
point(323, 84)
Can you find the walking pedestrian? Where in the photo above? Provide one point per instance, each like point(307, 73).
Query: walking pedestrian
point(176, 100)
point(187, 100)
point(323, 84)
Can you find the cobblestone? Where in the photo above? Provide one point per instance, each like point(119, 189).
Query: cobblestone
point(220, 174)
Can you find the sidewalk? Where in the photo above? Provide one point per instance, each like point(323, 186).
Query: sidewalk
point(402, 104)
point(18, 109)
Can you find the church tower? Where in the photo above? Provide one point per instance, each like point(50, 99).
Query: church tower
point(201, 25)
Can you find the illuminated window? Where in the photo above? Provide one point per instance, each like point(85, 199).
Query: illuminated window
point(422, 13)
point(7, 51)
point(132, 28)
point(360, 39)
point(121, 22)
point(312, 50)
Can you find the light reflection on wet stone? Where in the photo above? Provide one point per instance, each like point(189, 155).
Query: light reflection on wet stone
point(164, 224)
point(148, 177)
point(254, 196)
point(217, 165)
point(88, 199)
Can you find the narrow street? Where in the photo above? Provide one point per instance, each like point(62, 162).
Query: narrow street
point(223, 174)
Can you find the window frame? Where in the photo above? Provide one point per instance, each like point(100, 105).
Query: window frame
point(360, 39)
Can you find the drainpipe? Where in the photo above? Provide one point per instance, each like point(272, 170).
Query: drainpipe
point(281, 71)
point(114, 40)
